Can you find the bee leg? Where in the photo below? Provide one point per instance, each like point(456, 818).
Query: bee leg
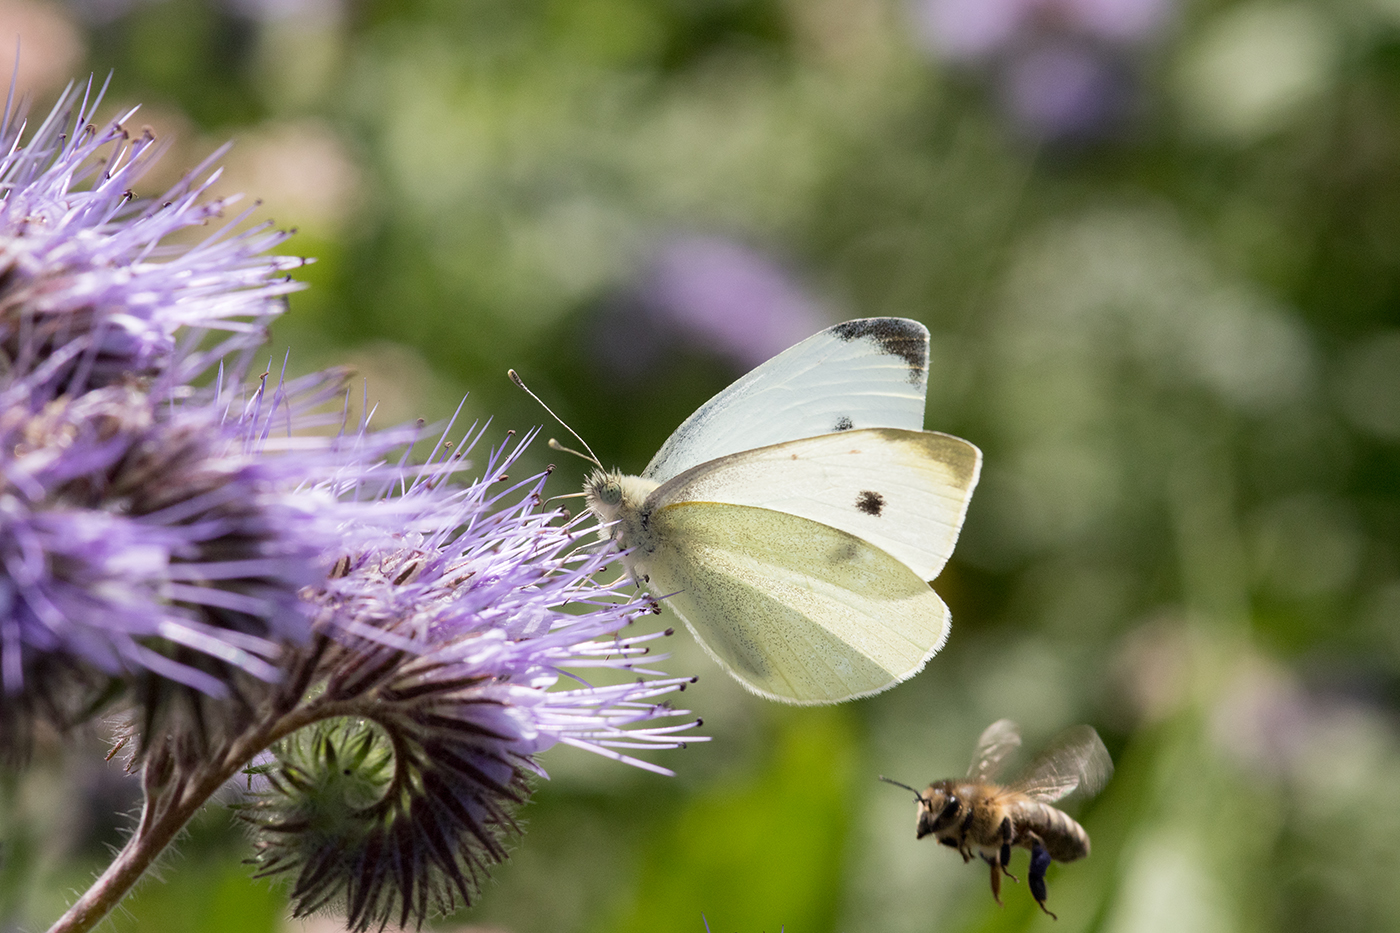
point(1006, 838)
point(996, 878)
point(962, 837)
point(1040, 861)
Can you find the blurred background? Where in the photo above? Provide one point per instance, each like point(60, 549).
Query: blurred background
point(1157, 243)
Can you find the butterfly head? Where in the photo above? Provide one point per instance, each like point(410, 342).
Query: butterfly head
point(617, 501)
point(603, 491)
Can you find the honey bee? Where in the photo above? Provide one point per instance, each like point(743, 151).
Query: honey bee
point(977, 816)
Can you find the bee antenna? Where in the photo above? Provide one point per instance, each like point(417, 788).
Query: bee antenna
point(590, 456)
point(917, 796)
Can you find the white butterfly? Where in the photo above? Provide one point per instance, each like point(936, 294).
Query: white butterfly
point(793, 520)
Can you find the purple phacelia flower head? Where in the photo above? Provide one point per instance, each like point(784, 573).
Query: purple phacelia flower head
point(92, 291)
point(153, 536)
point(160, 547)
point(467, 640)
point(404, 645)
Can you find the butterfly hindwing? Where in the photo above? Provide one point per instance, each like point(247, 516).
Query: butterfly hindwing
point(796, 610)
point(860, 374)
point(905, 492)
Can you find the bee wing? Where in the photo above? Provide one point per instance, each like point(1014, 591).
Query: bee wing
point(998, 740)
point(1075, 761)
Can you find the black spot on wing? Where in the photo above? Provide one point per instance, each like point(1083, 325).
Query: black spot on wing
point(896, 336)
point(844, 423)
point(870, 502)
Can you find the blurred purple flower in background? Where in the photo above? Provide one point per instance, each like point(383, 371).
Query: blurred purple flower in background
point(715, 294)
point(1062, 68)
point(729, 298)
point(1064, 90)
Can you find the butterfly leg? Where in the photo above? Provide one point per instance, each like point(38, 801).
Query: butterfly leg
point(1006, 838)
point(1040, 861)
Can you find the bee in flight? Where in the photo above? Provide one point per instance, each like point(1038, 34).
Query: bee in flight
point(977, 816)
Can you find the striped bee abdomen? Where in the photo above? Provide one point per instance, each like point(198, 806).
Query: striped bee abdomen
point(1062, 837)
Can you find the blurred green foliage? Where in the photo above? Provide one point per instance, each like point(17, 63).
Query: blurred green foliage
point(1176, 337)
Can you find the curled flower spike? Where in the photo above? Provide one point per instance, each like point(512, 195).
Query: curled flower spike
point(397, 809)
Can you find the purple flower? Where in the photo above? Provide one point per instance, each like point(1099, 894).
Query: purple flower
point(976, 29)
point(151, 537)
point(1060, 90)
point(90, 290)
point(469, 634)
point(968, 29)
point(404, 645)
point(162, 546)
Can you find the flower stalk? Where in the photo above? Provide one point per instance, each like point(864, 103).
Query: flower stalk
point(166, 809)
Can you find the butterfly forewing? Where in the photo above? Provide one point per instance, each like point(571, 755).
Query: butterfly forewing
point(998, 740)
point(796, 610)
point(905, 492)
point(1075, 761)
point(860, 374)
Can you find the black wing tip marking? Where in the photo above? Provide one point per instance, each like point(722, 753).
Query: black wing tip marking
point(844, 423)
point(897, 336)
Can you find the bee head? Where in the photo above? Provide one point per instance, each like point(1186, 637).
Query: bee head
point(939, 809)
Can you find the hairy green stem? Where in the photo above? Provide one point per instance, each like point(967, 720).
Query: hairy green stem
point(167, 809)
point(162, 818)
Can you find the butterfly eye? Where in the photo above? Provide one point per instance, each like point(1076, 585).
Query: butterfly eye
point(610, 492)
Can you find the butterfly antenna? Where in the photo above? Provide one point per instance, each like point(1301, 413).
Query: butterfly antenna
point(555, 445)
point(917, 796)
